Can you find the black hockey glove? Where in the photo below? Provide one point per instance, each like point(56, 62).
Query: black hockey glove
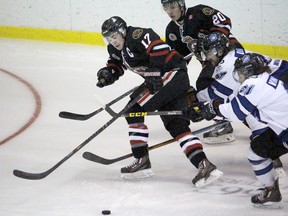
point(153, 81)
point(194, 46)
point(191, 113)
point(208, 110)
point(106, 76)
point(191, 96)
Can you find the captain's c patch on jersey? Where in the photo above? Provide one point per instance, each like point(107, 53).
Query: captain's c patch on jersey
point(137, 33)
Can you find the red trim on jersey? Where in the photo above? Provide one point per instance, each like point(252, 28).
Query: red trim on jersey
point(155, 42)
point(222, 30)
point(159, 53)
point(144, 98)
point(169, 57)
point(233, 41)
point(166, 77)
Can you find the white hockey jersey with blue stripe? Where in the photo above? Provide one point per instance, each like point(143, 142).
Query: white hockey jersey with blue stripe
point(224, 85)
point(266, 98)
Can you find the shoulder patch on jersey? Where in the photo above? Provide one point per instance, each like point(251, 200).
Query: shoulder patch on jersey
point(172, 37)
point(239, 52)
point(190, 17)
point(116, 57)
point(276, 62)
point(137, 33)
point(273, 82)
point(207, 11)
point(245, 90)
point(220, 75)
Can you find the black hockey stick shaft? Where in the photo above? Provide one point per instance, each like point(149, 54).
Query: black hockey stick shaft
point(142, 114)
point(83, 117)
point(111, 112)
point(157, 113)
point(37, 176)
point(95, 158)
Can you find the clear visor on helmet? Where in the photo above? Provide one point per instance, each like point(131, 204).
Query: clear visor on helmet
point(208, 54)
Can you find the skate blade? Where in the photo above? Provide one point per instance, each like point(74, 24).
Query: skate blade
point(147, 173)
point(280, 173)
point(269, 205)
point(214, 175)
point(227, 138)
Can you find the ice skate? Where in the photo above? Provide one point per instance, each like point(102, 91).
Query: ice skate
point(220, 134)
point(140, 168)
point(269, 197)
point(278, 167)
point(207, 174)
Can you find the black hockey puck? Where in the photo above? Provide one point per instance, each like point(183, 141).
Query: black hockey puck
point(106, 212)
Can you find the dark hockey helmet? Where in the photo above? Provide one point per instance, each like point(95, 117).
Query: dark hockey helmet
point(216, 43)
point(168, 2)
point(250, 64)
point(112, 25)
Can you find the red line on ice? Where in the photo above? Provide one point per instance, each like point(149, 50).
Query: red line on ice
point(37, 108)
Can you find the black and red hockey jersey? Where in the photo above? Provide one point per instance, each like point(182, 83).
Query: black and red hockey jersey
point(143, 50)
point(199, 20)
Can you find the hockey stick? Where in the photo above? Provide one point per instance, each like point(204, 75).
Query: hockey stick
point(108, 109)
point(95, 158)
point(37, 176)
point(83, 117)
point(157, 113)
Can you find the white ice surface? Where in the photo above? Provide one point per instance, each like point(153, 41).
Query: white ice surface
point(64, 75)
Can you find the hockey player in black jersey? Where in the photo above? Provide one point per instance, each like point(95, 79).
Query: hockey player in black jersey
point(187, 26)
point(165, 76)
point(194, 23)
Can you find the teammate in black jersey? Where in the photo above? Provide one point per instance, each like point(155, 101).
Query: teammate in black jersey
point(189, 25)
point(165, 73)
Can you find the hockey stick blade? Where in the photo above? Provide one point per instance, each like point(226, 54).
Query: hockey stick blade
point(76, 116)
point(95, 158)
point(31, 176)
point(38, 176)
point(83, 117)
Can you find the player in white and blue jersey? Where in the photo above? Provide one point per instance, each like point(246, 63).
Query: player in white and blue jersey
point(263, 94)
